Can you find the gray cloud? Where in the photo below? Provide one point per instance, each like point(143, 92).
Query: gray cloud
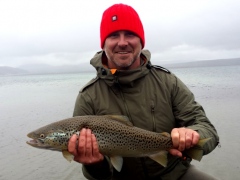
point(67, 32)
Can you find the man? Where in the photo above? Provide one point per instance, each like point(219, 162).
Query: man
point(152, 97)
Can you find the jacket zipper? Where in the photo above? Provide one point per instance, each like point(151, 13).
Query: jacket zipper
point(124, 100)
point(126, 107)
point(153, 116)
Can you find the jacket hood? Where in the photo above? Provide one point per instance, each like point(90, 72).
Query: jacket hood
point(121, 77)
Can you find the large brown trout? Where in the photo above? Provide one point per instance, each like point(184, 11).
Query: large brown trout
point(116, 138)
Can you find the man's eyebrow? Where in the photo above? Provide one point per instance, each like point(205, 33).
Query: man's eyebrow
point(115, 32)
point(130, 32)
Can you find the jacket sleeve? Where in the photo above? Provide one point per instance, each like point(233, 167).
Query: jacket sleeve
point(189, 113)
point(102, 170)
point(83, 105)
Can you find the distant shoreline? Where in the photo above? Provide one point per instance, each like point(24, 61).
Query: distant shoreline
point(205, 63)
point(36, 69)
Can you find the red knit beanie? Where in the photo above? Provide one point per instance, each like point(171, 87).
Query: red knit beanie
point(120, 17)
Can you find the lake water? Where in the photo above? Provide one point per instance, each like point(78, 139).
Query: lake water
point(30, 101)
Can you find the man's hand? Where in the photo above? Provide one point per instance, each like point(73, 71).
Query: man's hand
point(183, 138)
point(85, 148)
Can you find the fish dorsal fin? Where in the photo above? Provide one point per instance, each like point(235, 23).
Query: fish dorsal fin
point(121, 119)
point(160, 157)
point(165, 134)
point(67, 155)
point(117, 162)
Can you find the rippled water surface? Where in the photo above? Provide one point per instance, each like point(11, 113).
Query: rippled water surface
point(30, 101)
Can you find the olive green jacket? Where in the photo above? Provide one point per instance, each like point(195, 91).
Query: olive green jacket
point(154, 99)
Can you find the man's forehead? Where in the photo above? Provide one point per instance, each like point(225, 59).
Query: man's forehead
point(123, 31)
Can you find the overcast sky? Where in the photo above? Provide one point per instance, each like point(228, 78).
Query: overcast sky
point(59, 32)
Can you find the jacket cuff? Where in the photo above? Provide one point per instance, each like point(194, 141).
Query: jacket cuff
point(98, 171)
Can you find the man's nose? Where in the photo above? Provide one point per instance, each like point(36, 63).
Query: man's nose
point(122, 41)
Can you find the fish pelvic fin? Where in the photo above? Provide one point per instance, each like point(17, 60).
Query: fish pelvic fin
point(117, 162)
point(67, 155)
point(160, 157)
point(196, 152)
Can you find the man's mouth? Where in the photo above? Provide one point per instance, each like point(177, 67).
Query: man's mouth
point(122, 52)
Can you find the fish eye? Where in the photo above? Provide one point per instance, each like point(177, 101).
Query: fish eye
point(42, 136)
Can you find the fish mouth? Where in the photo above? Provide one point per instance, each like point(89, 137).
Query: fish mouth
point(38, 143)
point(34, 142)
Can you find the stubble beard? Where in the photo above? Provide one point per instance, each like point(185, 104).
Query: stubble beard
point(123, 63)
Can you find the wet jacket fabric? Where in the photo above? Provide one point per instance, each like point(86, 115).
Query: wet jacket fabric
point(154, 99)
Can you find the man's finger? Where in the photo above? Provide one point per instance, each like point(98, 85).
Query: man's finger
point(175, 137)
point(88, 151)
point(196, 138)
point(96, 152)
point(175, 152)
point(182, 139)
point(189, 139)
point(95, 145)
point(72, 144)
point(82, 142)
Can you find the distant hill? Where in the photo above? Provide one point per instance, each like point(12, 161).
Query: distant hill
point(5, 70)
point(205, 63)
point(86, 67)
point(48, 69)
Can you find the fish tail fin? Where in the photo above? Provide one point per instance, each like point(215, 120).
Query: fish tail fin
point(160, 157)
point(196, 152)
point(202, 142)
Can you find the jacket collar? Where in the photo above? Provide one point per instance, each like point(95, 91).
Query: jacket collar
point(121, 77)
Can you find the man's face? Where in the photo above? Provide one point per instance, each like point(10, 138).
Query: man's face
point(123, 50)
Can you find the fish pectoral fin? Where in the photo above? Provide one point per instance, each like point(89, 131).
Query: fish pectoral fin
point(117, 162)
point(160, 157)
point(121, 119)
point(67, 155)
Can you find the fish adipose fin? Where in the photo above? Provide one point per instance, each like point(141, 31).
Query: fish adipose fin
point(196, 152)
point(160, 157)
point(67, 155)
point(117, 162)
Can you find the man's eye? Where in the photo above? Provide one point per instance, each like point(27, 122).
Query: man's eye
point(130, 34)
point(113, 35)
